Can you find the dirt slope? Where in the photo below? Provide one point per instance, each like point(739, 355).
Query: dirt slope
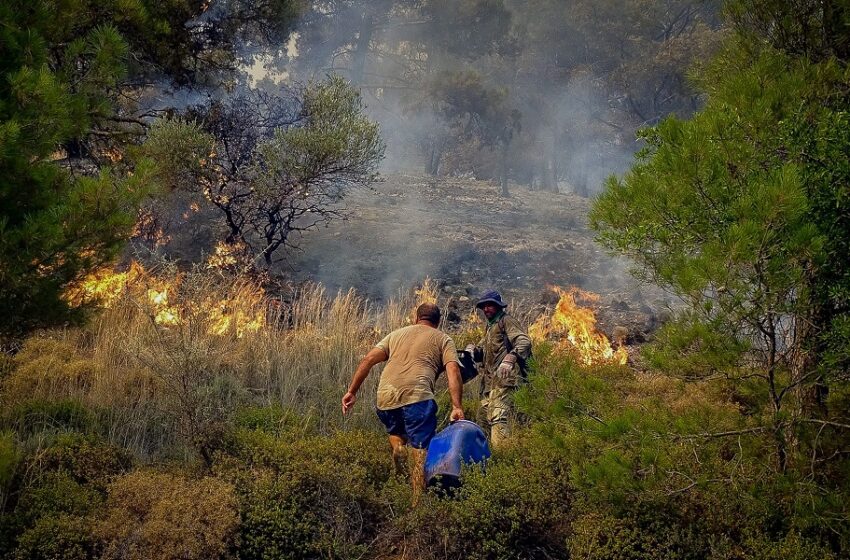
point(461, 233)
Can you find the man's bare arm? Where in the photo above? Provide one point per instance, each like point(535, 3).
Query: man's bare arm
point(455, 390)
point(374, 357)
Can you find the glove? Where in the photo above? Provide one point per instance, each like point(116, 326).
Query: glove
point(475, 352)
point(506, 367)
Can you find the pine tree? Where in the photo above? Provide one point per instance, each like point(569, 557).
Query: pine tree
point(742, 211)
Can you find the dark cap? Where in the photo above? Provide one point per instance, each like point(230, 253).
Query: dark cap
point(491, 297)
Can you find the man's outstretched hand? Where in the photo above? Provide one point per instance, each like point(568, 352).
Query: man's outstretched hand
point(457, 414)
point(348, 401)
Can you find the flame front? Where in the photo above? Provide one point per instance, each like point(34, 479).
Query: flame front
point(574, 327)
point(241, 311)
point(225, 256)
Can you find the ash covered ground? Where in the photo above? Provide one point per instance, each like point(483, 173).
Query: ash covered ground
point(462, 234)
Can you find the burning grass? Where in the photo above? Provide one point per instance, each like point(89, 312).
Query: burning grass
point(573, 328)
point(176, 353)
point(162, 293)
point(173, 354)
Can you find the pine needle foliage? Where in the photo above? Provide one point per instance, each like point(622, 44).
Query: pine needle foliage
point(742, 211)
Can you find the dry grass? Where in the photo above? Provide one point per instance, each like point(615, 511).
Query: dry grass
point(159, 385)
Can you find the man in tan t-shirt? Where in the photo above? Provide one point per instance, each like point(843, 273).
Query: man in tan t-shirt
point(415, 356)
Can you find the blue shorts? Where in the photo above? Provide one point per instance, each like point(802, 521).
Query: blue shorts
point(416, 422)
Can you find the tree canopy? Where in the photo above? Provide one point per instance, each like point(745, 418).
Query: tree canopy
point(742, 211)
point(71, 74)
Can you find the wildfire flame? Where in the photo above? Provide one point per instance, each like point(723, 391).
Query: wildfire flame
point(574, 327)
point(427, 293)
point(146, 228)
point(241, 311)
point(104, 286)
point(225, 256)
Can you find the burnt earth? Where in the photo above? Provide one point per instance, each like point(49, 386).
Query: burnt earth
point(466, 237)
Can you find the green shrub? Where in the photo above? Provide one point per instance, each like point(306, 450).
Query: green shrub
point(45, 415)
point(518, 509)
point(9, 457)
point(60, 537)
point(791, 547)
point(84, 458)
point(309, 496)
point(57, 493)
point(650, 531)
point(605, 537)
point(651, 487)
point(47, 499)
point(273, 419)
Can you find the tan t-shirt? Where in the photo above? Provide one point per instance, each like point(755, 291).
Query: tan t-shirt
point(417, 354)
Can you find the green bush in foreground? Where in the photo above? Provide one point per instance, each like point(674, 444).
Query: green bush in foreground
point(59, 537)
point(307, 496)
point(519, 509)
point(608, 462)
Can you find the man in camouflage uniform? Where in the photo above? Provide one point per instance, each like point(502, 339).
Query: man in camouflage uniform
point(502, 352)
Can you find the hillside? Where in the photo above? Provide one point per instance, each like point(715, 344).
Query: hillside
point(463, 234)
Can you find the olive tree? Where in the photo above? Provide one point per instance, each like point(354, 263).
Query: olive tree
point(274, 166)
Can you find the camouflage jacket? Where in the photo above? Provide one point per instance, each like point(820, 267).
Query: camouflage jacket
point(502, 334)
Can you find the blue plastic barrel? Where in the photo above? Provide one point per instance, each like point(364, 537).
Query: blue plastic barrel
point(462, 442)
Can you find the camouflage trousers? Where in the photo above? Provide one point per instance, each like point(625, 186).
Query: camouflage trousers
point(497, 411)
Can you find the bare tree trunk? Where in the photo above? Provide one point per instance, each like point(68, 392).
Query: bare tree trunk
point(549, 172)
point(503, 170)
point(547, 182)
point(810, 391)
point(436, 156)
point(581, 183)
point(364, 39)
point(780, 432)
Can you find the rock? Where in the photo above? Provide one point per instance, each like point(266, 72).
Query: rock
point(620, 306)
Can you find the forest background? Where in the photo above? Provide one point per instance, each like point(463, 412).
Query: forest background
point(196, 415)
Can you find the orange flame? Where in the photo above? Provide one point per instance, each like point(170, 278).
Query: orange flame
point(575, 328)
point(225, 256)
point(427, 293)
point(242, 311)
point(103, 286)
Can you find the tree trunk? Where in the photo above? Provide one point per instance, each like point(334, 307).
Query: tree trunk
point(436, 156)
point(549, 175)
point(810, 392)
point(832, 35)
point(361, 51)
point(581, 183)
point(503, 170)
